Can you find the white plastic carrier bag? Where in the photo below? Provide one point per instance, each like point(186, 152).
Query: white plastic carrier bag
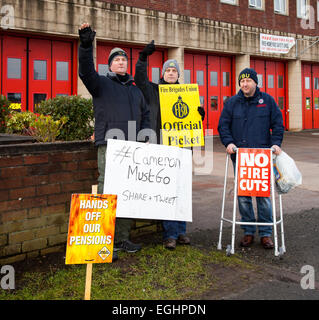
point(287, 175)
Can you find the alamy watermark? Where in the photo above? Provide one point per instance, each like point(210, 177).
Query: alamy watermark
point(308, 280)
point(309, 18)
point(202, 158)
point(7, 16)
point(7, 277)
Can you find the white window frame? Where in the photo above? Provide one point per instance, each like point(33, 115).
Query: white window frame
point(233, 2)
point(252, 4)
point(302, 9)
point(283, 7)
point(317, 10)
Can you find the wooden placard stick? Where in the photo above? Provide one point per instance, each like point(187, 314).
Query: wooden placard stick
point(89, 267)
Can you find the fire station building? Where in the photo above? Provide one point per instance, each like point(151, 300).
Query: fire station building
point(213, 40)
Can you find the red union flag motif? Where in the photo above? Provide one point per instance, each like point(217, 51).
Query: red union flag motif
point(254, 172)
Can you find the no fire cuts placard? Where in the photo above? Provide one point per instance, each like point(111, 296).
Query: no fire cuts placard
point(91, 228)
point(254, 170)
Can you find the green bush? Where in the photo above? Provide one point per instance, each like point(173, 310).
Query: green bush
point(79, 112)
point(45, 129)
point(20, 122)
point(42, 128)
point(4, 112)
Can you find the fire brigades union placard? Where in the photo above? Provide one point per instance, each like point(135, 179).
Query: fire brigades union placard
point(181, 123)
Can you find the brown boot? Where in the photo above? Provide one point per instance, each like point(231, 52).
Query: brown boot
point(170, 244)
point(247, 240)
point(266, 242)
point(182, 239)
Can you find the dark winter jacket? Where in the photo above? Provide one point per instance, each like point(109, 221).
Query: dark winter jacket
point(151, 95)
point(246, 122)
point(115, 102)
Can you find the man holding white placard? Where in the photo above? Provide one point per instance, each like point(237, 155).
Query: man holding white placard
point(117, 102)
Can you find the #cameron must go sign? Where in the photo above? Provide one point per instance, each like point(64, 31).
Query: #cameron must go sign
point(254, 170)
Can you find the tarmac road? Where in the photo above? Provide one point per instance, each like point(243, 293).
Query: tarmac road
point(301, 220)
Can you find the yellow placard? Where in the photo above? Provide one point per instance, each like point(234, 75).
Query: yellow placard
point(91, 228)
point(181, 123)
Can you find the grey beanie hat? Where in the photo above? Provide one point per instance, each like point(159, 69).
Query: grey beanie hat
point(116, 52)
point(171, 63)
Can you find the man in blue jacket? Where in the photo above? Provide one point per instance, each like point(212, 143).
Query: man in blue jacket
point(245, 122)
point(116, 102)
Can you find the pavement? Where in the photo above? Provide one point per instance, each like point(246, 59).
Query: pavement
point(287, 275)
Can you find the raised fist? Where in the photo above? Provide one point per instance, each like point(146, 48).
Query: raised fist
point(86, 35)
point(147, 51)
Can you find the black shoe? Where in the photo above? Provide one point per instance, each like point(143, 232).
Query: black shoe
point(127, 246)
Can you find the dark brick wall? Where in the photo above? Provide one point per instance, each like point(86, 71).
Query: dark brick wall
point(241, 14)
point(37, 181)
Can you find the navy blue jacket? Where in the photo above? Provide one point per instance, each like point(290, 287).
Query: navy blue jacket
point(246, 122)
point(115, 103)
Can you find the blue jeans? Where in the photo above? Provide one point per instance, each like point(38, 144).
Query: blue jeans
point(264, 210)
point(172, 229)
point(246, 210)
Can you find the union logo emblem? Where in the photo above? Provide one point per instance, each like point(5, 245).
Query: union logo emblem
point(180, 109)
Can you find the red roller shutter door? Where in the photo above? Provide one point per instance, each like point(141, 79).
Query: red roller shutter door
point(61, 68)
point(259, 67)
point(310, 96)
point(315, 105)
point(272, 80)
point(200, 75)
point(280, 95)
point(307, 97)
point(14, 72)
point(39, 71)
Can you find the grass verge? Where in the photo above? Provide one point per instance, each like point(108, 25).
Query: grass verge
point(151, 274)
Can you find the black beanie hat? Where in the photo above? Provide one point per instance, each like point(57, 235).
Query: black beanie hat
point(248, 73)
point(116, 52)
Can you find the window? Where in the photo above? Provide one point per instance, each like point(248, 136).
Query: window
point(302, 11)
point(280, 6)
point(155, 75)
point(307, 82)
point(281, 103)
point(14, 97)
point(280, 82)
point(62, 70)
point(260, 80)
point(214, 103)
point(187, 76)
point(38, 97)
point(270, 81)
point(257, 4)
point(200, 77)
point(316, 83)
point(225, 79)
point(14, 68)
point(214, 79)
point(103, 69)
point(39, 70)
point(318, 10)
point(229, 1)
